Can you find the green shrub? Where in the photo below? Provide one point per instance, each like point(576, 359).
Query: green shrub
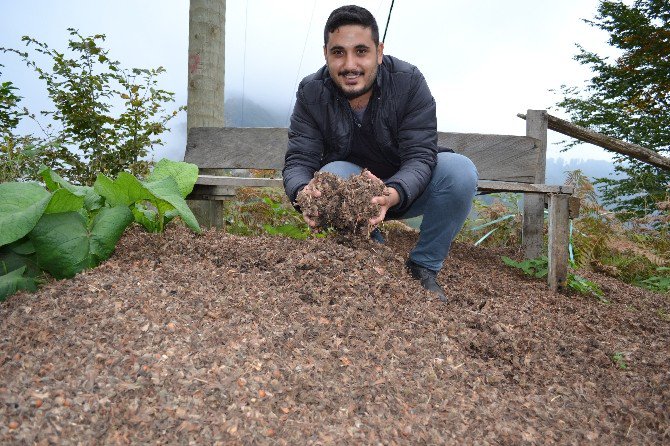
point(64, 228)
point(86, 88)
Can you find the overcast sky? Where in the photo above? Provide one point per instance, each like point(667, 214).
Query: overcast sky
point(484, 60)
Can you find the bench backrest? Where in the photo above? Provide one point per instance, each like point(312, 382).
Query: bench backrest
point(497, 157)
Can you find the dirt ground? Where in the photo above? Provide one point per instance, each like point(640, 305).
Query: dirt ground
point(220, 339)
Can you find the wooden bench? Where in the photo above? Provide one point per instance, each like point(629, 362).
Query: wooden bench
point(505, 163)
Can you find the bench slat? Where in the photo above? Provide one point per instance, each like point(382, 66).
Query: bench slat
point(497, 157)
point(236, 148)
point(482, 185)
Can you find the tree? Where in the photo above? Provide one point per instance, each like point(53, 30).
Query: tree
point(628, 98)
point(17, 153)
point(88, 89)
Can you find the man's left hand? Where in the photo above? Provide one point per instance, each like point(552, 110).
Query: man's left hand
point(385, 202)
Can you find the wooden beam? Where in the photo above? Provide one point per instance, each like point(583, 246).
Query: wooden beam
point(607, 142)
point(206, 63)
point(504, 186)
point(559, 227)
point(482, 185)
point(532, 230)
point(497, 157)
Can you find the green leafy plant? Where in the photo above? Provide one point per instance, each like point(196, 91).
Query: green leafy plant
point(619, 360)
point(497, 221)
point(109, 118)
point(64, 228)
point(539, 268)
point(290, 223)
point(158, 199)
point(258, 211)
point(18, 154)
point(660, 283)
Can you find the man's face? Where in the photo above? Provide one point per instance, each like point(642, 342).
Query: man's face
point(352, 59)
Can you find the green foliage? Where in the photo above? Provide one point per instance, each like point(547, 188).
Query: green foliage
point(17, 153)
point(157, 200)
point(619, 360)
point(660, 283)
point(67, 228)
point(628, 98)
point(496, 224)
point(66, 243)
point(633, 252)
point(10, 113)
point(13, 281)
point(86, 87)
point(258, 211)
point(539, 269)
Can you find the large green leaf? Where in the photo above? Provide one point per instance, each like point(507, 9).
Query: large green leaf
point(55, 182)
point(167, 190)
point(18, 254)
point(21, 206)
point(185, 174)
point(14, 281)
point(64, 201)
point(65, 246)
point(125, 190)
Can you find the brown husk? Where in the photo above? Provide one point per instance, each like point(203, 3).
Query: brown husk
point(220, 339)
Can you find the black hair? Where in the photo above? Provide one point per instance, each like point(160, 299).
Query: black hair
point(351, 15)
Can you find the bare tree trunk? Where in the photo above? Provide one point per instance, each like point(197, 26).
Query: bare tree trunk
point(607, 142)
point(206, 63)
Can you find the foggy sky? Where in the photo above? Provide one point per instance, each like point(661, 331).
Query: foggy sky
point(484, 60)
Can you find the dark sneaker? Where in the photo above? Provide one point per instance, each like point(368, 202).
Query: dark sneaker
point(376, 236)
point(428, 279)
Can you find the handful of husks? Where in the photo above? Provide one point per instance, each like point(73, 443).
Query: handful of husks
point(344, 205)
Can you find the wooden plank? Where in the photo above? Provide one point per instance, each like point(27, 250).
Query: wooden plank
point(504, 186)
point(532, 226)
point(214, 193)
point(213, 180)
point(208, 213)
point(536, 127)
point(236, 148)
point(559, 229)
point(482, 185)
point(533, 204)
point(497, 157)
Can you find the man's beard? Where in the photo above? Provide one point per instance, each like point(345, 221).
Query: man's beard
point(357, 93)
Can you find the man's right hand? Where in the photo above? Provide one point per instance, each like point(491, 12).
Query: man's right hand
point(311, 190)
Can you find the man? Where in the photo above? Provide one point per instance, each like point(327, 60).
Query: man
point(368, 110)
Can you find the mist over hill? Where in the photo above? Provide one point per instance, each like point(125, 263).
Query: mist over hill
point(557, 169)
point(243, 112)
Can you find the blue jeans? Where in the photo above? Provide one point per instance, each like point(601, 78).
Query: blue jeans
point(444, 204)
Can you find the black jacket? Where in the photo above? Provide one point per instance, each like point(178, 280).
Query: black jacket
point(404, 125)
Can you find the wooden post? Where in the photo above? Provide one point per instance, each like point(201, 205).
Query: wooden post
point(559, 228)
point(533, 204)
point(206, 63)
point(206, 70)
